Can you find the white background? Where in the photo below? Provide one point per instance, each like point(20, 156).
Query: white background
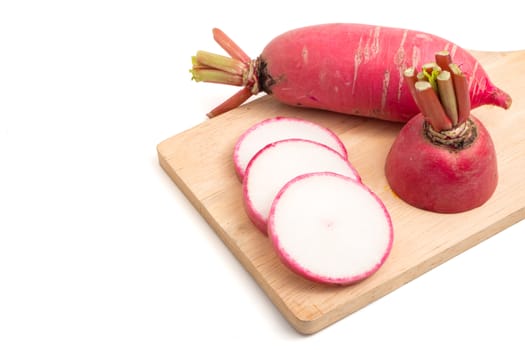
point(100, 250)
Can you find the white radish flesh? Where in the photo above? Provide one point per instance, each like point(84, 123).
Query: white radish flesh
point(280, 128)
point(279, 162)
point(330, 228)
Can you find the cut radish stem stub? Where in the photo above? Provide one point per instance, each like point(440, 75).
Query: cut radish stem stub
point(280, 128)
point(279, 162)
point(330, 228)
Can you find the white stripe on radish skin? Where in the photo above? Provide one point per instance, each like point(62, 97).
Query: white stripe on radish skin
point(277, 163)
point(330, 228)
point(357, 61)
point(384, 90)
point(280, 128)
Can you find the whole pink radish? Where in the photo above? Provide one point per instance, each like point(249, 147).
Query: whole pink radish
point(353, 69)
point(330, 228)
point(443, 160)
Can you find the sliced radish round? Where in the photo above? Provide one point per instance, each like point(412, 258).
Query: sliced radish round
point(280, 128)
point(330, 228)
point(279, 162)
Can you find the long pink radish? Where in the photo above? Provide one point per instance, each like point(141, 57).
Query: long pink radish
point(277, 163)
point(353, 69)
point(330, 228)
point(280, 128)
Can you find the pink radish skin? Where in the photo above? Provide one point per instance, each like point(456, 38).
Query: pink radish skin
point(352, 69)
point(330, 228)
point(439, 179)
point(280, 128)
point(277, 163)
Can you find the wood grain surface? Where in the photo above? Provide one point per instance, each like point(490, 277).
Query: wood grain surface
point(199, 161)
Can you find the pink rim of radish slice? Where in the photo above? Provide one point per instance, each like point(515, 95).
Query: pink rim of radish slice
point(279, 162)
point(330, 228)
point(281, 128)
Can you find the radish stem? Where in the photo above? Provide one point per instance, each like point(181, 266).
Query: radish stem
point(421, 76)
point(216, 76)
point(224, 63)
point(448, 106)
point(233, 102)
point(447, 96)
point(431, 107)
point(431, 71)
point(230, 46)
point(462, 93)
point(443, 60)
point(238, 70)
point(430, 67)
point(411, 77)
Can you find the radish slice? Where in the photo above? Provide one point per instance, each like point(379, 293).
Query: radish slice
point(280, 128)
point(330, 228)
point(279, 162)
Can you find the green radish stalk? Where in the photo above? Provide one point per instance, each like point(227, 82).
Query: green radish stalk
point(443, 159)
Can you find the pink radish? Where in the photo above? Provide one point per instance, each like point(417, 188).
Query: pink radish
point(348, 68)
point(279, 162)
point(280, 128)
point(443, 160)
point(330, 228)
point(440, 178)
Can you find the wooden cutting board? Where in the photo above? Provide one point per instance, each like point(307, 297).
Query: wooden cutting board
point(199, 161)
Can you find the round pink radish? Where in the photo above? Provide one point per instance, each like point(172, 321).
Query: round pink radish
point(280, 128)
point(330, 228)
point(279, 162)
point(442, 178)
